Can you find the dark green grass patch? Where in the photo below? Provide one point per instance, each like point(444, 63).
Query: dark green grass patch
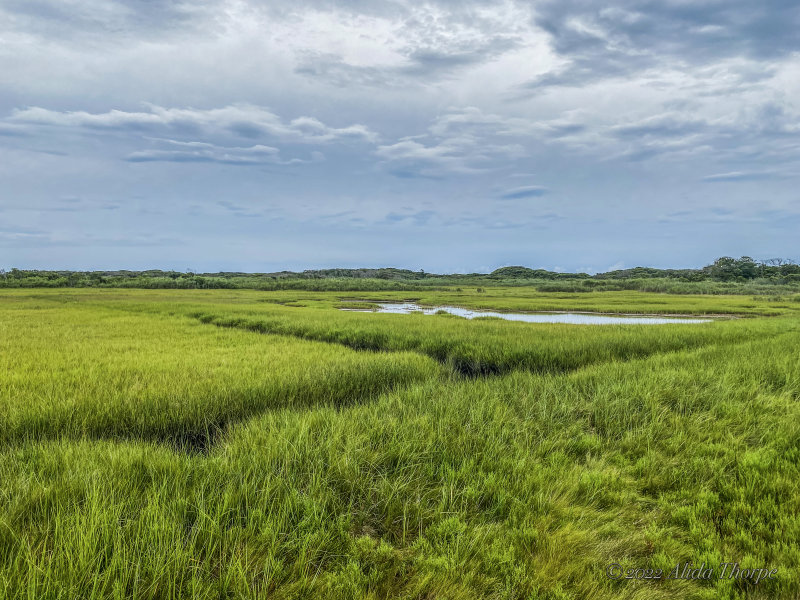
point(488, 346)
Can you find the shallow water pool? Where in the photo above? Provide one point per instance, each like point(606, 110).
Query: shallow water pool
point(543, 317)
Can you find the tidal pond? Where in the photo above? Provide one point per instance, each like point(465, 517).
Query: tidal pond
point(541, 317)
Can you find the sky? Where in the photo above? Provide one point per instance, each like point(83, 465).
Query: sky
point(449, 136)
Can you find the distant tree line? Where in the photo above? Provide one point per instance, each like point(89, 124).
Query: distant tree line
point(724, 270)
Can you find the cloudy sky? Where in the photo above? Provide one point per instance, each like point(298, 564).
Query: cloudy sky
point(448, 135)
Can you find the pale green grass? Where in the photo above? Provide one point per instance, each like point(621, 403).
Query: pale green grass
point(500, 298)
point(82, 370)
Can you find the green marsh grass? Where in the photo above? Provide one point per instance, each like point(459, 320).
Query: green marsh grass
point(524, 485)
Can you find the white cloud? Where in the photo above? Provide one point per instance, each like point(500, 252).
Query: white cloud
point(244, 120)
point(205, 152)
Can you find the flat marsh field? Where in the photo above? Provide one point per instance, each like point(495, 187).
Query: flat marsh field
point(248, 444)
